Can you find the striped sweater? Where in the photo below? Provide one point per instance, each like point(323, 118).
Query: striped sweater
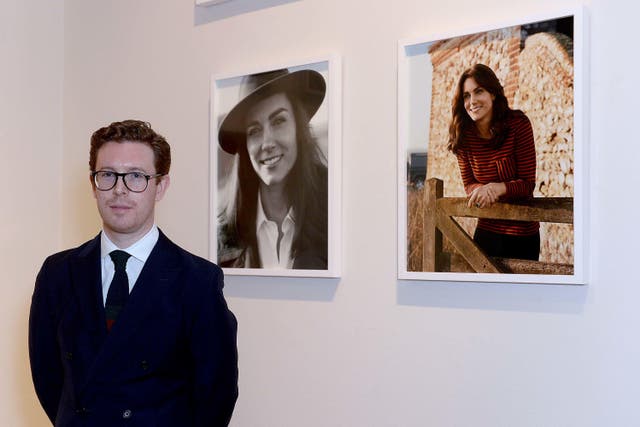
point(514, 163)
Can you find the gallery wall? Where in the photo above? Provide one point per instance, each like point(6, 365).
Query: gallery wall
point(30, 166)
point(366, 349)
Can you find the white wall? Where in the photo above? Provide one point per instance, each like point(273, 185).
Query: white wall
point(365, 350)
point(31, 66)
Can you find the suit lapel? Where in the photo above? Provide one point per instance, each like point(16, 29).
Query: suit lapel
point(90, 320)
point(159, 271)
point(86, 279)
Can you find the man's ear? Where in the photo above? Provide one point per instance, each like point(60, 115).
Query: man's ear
point(93, 185)
point(161, 186)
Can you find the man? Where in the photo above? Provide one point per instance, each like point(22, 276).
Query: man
point(130, 329)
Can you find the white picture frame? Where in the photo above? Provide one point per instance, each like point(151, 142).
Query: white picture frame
point(326, 126)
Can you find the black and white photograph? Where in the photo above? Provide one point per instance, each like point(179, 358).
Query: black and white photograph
point(490, 158)
point(275, 166)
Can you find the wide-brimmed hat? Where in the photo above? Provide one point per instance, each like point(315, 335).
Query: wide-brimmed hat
point(306, 87)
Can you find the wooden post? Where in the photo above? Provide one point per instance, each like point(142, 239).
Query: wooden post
point(432, 243)
point(439, 221)
point(465, 245)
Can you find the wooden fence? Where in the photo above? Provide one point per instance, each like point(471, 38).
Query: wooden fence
point(439, 222)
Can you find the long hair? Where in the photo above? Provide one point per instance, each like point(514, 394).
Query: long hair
point(460, 120)
point(305, 188)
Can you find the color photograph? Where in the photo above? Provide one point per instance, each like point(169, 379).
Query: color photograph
point(490, 154)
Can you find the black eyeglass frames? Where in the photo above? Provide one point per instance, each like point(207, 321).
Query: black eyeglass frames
point(136, 182)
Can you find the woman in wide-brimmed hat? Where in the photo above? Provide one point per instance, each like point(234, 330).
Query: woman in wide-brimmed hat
point(276, 215)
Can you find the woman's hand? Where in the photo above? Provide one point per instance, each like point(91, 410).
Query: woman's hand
point(487, 194)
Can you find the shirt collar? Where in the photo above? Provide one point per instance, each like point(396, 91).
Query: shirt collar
point(261, 217)
point(139, 250)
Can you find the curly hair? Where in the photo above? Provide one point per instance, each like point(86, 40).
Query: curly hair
point(132, 131)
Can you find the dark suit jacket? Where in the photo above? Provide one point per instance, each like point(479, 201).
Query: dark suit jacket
point(170, 359)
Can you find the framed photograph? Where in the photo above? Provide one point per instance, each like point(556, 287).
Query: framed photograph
point(275, 170)
point(492, 153)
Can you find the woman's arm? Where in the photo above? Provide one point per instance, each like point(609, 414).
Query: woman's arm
point(466, 173)
point(525, 158)
point(487, 194)
point(522, 167)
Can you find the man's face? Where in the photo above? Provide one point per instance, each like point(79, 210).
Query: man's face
point(127, 216)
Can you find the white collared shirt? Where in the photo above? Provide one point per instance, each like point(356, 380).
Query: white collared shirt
point(139, 252)
point(267, 235)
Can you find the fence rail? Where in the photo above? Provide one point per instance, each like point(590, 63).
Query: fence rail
point(439, 221)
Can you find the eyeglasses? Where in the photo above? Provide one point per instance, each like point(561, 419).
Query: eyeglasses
point(136, 182)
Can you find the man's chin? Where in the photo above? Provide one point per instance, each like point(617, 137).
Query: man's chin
point(119, 228)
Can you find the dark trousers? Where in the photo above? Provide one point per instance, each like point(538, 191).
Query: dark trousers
point(508, 246)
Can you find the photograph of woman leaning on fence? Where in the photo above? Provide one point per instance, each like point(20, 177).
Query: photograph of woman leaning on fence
point(497, 158)
point(489, 130)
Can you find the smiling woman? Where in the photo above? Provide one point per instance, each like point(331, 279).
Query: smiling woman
point(271, 139)
point(276, 213)
point(497, 159)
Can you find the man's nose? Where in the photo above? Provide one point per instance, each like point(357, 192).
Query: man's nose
point(120, 187)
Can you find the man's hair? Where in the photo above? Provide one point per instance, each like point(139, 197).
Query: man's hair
point(132, 131)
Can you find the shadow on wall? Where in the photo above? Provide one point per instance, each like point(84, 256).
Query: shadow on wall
point(228, 8)
point(529, 298)
point(281, 288)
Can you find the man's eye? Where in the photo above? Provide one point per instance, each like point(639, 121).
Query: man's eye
point(106, 174)
point(136, 175)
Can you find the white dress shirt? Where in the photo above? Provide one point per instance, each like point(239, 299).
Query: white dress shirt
point(267, 235)
point(139, 252)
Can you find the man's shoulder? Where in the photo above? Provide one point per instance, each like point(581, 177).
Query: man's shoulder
point(64, 256)
point(56, 269)
point(189, 259)
point(199, 275)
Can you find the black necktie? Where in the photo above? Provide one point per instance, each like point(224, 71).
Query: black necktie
point(119, 288)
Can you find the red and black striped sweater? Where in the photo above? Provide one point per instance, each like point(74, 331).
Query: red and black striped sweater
point(514, 163)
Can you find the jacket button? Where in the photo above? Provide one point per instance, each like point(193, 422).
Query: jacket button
point(68, 355)
point(144, 364)
point(126, 414)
